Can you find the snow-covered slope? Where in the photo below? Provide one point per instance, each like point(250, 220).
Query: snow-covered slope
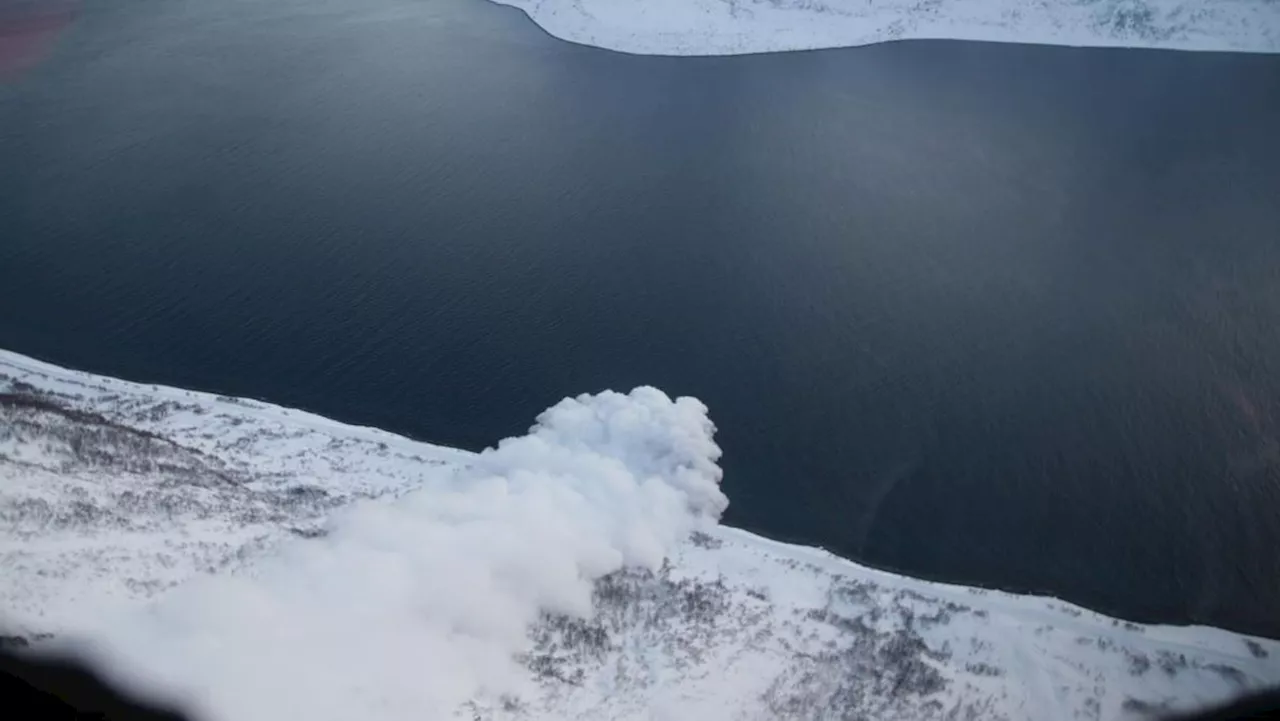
point(255, 562)
point(730, 27)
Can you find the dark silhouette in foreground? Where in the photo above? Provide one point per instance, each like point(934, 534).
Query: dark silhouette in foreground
point(47, 688)
point(51, 689)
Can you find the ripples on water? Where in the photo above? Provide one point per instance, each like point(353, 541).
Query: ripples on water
point(993, 313)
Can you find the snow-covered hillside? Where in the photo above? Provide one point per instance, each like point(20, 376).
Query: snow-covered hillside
point(730, 27)
point(255, 562)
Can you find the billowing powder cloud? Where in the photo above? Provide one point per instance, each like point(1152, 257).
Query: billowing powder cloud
point(409, 608)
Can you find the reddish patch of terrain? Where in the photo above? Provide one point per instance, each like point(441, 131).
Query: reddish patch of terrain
point(28, 30)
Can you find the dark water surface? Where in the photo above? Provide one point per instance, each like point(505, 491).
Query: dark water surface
point(998, 314)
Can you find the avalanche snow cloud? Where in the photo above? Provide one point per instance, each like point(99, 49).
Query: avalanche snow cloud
point(416, 606)
point(730, 27)
point(245, 561)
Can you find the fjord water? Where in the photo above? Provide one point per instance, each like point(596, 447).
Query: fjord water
point(998, 314)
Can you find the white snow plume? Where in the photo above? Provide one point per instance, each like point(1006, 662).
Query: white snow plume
point(414, 606)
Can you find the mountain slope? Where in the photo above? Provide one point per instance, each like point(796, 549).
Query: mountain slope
point(731, 27)
point(251, 561)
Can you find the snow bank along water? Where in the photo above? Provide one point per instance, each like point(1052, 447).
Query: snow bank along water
point(573, 572)
point(730, 27)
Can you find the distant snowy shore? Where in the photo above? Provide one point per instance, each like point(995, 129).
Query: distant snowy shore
point(733, 27)
point(252, 562)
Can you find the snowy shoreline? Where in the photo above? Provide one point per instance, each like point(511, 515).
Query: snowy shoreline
point(48, 376)
point(738, 27)
point(597, 532)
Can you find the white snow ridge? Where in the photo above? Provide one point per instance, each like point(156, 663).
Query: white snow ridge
point(732, 27)
point(253, 562)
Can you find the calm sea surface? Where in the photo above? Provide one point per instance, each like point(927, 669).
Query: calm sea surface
point(997, 314)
